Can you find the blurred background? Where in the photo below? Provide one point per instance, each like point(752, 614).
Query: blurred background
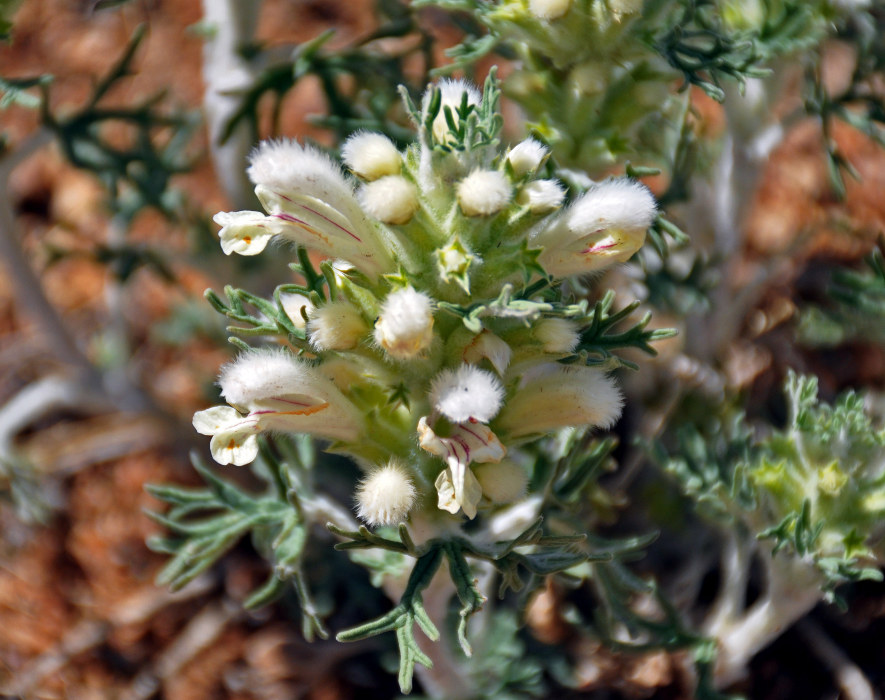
point(109, 181)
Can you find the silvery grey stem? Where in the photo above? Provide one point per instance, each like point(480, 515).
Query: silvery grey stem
point(226, 73)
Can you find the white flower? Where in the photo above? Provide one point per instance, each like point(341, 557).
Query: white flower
point(452, 93)
point(272, 390)
point(405, 327)
point(549, 9)
point(466, 393)
point(557, 335)
point(502, 482)
point(234, 436)
point(483, 192)
point(541, 196)
point(371, 155)
point(337, 325)
point(245, 232)
point(310, 202)
point(457, 487)
point(527, 156)
point(391, 199)
point(489, 346)
point(293, 304)
point(385, 496)
point(606, 225)
point(553, 396)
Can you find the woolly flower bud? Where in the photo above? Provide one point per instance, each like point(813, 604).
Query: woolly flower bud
point(466, 393)
point(405, 327)
point(503, 482)
point(527, 157)
point(272, 390)
point(541, 196)
point(605, 226)
point(549, 9)
point(287, 167)
point(385, 496)
point(483, 192)
point(555, 396)
point(452, 93)
point(311, 203)
point(337, 325)
point(293, 304)
point(391, 199)
point(371, 155)
point(557, 335)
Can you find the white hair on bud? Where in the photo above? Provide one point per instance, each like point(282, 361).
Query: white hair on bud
point(286, 167)
point(501, 482)
point(405, 327)
point(371, 155)
point(541, 196)
point(466, 393)
point(483, 192)
point(337, 325)
point(261, 373)
point(553, 396)
point(557, 335)
point(618, 203)
point(391, 199)
point(385, 496)
point(549, 9)
point(606, 225)
point(527, 156)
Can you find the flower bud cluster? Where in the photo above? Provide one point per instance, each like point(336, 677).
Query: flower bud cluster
point(420, 364)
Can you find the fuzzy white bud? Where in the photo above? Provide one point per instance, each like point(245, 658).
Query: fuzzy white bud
point(606, 225)
point(391, 199)
point(502, 482)
point(466, 393)
point(541, 196)
point(337, 325)
point(554, 396)
point(549, 9)
point(286, 167)
point(405, 327)
point(385, 496)
point(557, 335)
point(483, 192)
point(527, 156)
point(371, 155)
point(452, 93)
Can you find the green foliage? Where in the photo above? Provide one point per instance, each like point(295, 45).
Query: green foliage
point(14, 91)
point(707, 41)
point(814, 489)
point(207, 522)
point(861, 102)
point(138, 174)
point(857, 308)
point(358, 81)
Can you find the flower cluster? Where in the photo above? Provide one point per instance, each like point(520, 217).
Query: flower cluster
point(440, 343)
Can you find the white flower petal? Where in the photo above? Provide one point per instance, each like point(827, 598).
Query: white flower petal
point(458, 489)
point(468, 442)
point(489, 346)
point(237, 447)
point(214, 419)
point(245, 232)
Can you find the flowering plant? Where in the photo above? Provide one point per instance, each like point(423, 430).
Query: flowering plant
point(439, 348)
